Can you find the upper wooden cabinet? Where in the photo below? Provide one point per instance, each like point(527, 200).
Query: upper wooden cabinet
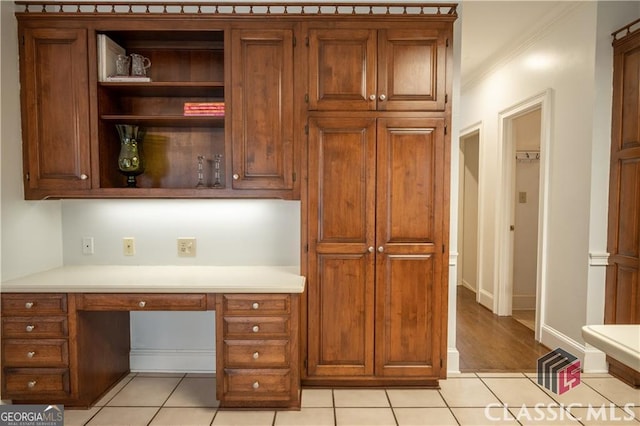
point(55, 110)
point(392, 69)
point(262, 105)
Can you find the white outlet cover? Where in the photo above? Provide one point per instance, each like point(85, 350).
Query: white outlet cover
point(187, 247)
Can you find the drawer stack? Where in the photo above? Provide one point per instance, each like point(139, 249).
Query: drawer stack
point(259, 342)
point(35, 346)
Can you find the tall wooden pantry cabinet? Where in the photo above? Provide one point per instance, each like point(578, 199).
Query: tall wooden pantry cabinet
point(377, 193)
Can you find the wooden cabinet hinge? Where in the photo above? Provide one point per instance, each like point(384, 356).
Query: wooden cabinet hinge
point(443, 248)
point(306, 41)
point(306, 129)
point(28, 176)
point(446, 98)
point(23, 40)
point(445, 129)
point(447, 42)
point(294, 41)
point(306, 248)
point(294, 176)
point(306, 97)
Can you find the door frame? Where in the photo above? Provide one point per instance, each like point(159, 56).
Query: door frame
point(482, 296)
point(503, 267)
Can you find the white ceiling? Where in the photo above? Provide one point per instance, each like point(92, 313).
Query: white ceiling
point(491, 30)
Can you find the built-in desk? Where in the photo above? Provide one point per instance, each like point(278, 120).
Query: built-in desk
point(65, 332)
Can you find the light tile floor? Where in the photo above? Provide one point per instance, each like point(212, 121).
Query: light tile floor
point(464, 399)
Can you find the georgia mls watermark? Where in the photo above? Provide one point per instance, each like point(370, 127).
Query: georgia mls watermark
point(31, 415)
point(559, 372)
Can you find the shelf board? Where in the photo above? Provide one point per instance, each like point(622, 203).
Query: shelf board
point(167, 88)
point(166, 120)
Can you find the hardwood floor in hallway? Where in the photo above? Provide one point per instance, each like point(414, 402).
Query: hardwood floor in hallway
point(488, 342)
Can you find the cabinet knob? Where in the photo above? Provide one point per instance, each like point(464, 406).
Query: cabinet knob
point(31, 354)
point(255, 305)
point(372, 97)
point(255, 329)
point(32, 384)
point(236, 176)
point(84, 177)
point(371, 249)
point(380, 249)
point(383, 97)
point(142, 304)
point(256, 385)
point(256, 355)
point(28, 305)
point(30, 328)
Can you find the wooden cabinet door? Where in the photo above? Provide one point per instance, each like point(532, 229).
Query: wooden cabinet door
point(55, 110)
point(410, 263)
point(622, 304)
point(411, 70)
point(342, 69)
point(262, 109)
point(341, 231)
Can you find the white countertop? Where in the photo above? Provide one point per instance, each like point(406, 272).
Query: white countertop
point(620, 341)
point(160, 279)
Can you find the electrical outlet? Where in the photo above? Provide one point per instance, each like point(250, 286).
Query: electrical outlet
point(187, 247)
point(128, 246)
point(87, 245)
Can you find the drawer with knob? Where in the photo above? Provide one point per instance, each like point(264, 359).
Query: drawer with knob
point(256, 353)
point(251, 304)
point(142, 302)
point(268, 384)
point(252, 327)
point(34, 327)
point(36, 382)
point(34, 353)
point(24, 304)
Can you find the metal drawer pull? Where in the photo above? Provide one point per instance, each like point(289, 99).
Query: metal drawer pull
point(255, 329)
point(256, 355)
point(256, 385)
point(28, 305)
point(31, 354)
point(255, 305)
point(142, 304)
point(30, 328)
point(32, 384)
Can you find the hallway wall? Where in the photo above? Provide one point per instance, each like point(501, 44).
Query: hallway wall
point(571, 58)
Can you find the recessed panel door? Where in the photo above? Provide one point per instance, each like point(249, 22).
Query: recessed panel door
point(341, 236)
point(409, 245)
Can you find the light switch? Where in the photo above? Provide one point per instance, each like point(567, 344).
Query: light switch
point(522, 197)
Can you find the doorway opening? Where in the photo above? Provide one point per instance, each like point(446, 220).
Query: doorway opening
point(526, 140)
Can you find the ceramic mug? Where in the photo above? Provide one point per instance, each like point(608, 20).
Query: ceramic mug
point(139, 64)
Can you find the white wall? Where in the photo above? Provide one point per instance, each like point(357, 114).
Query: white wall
point(572, 59)
point(31, 231)
point(468, 256)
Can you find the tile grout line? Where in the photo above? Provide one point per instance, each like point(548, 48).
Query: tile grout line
point(167, 399)
point(393, 411)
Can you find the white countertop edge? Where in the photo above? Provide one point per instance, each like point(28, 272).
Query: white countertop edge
point(160, 279)
point(620, 341)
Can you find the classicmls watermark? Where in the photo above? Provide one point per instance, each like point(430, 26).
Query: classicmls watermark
point(552, 412)
point(559, 371)
point(31, 415)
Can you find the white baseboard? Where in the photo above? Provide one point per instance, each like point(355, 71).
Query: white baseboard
point(592, 360)
point(524, 302)
point(172, 361)
point(453, 361)
point(467, 285)
point(486, 299)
